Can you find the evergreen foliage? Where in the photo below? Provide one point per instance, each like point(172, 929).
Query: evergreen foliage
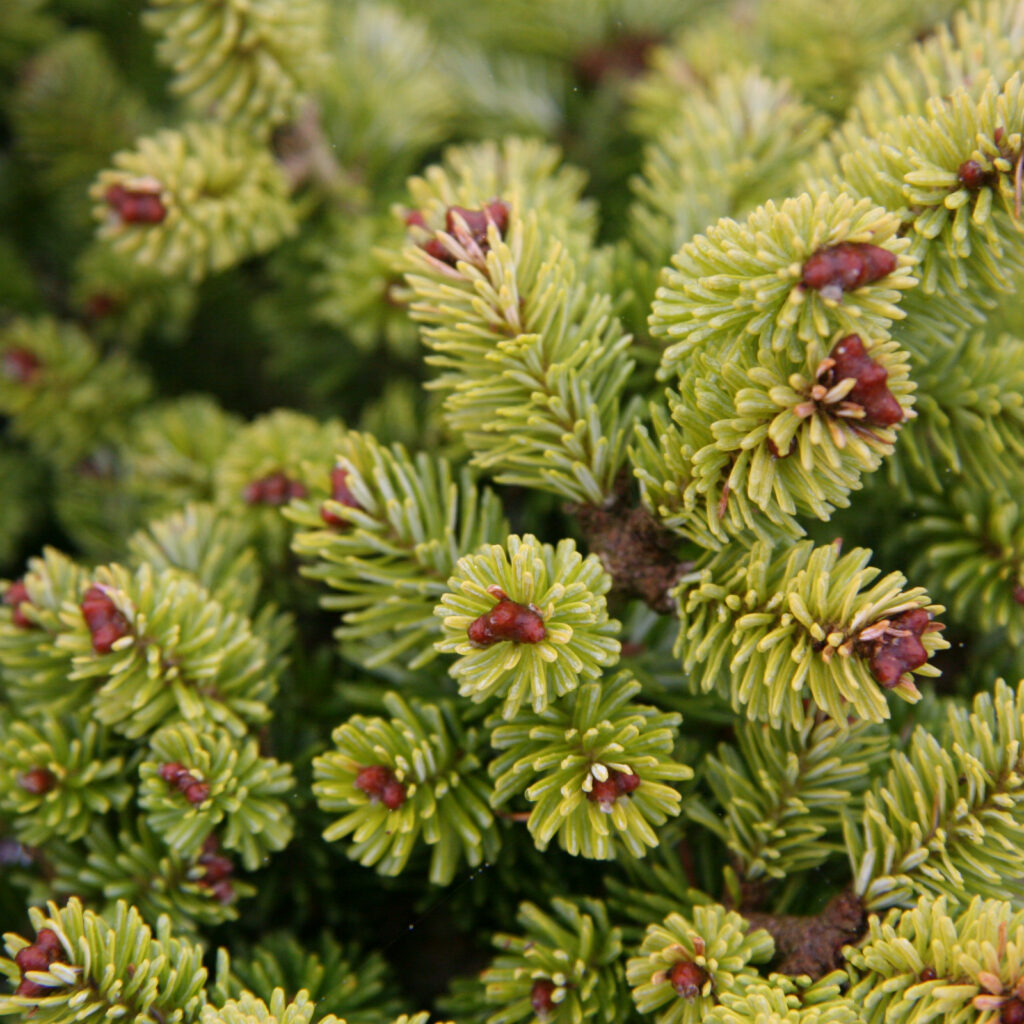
point(116, 967)
point(246, 62)
point(568, 758)
point(340, 981)
point(780, 793)
point(574, 950)
point(561, 589)
point(397, 778)
point(387, 540)
point(60, 395)
point(231, 784)
point(213, 198)
point(713, 952)
point(470, 478)
point(771, 629)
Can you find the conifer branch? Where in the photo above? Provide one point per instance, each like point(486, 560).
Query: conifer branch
point(813, 945)
point(192, 202)
point(248, 63)
point(634, 548)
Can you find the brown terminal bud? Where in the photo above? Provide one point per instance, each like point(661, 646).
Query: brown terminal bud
point(687, 979)
point(274, 489)
point(14, 597)
point(105, 622)
point(47, 941)
point(870, 392)
point(197, 792)
point(20, 365)
point(37, 781)
point(1012, 1012)
point(32, 958)
point(540, 996)
point(899, 648)
point(845, 267)
point(507, 620)
point(140, 205)
point(341, 494)
point(378, 782)
point(971, 175)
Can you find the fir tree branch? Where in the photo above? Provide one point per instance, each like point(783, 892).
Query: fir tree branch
point(634, 548)
point(813, 945)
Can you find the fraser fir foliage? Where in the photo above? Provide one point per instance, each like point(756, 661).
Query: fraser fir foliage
point(684, 966)
point(770, 631)
point(385, 531)
point(193, 201)
point(564, 593)
point(964, 965)
point(719, 153)
point(180, 655)
point(339, 979)
point(56, 778)
point(233, 790)
point(61, 396)
point(115, 966)
point(600, 765)
point(554, 349)
point(564, 968)
point(430, 784)
point(780, 793)
point(244, 62)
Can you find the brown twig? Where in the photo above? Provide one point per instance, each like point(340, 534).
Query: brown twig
point(636, 550)
point(813, 944)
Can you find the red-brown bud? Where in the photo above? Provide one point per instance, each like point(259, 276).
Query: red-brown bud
point(899, 648)
point(507, 620)
point(105, 622)
point(32, 989)
point(340, 493)
point(617, 784)
point(1012, 1012)
point(604, 792)
point(476, 223)
point(218, 868)
point(32, 958)
point(392, 796)
point(104, 638)
point(687, 979)
point(20, 365)
point(847, 266)
point(37, 781)
point(627, 782)
point(14, 597)
point(196, 792)
point(136, 206)
point(47, 941)
point(378, 782)
point(870, 392)
point(170, 771)
point(971, 174)
point(274, 489)
point(223, 891)
point(540, 996)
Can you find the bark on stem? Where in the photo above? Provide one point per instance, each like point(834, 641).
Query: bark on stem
point(813, 944)
point(635, 549)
